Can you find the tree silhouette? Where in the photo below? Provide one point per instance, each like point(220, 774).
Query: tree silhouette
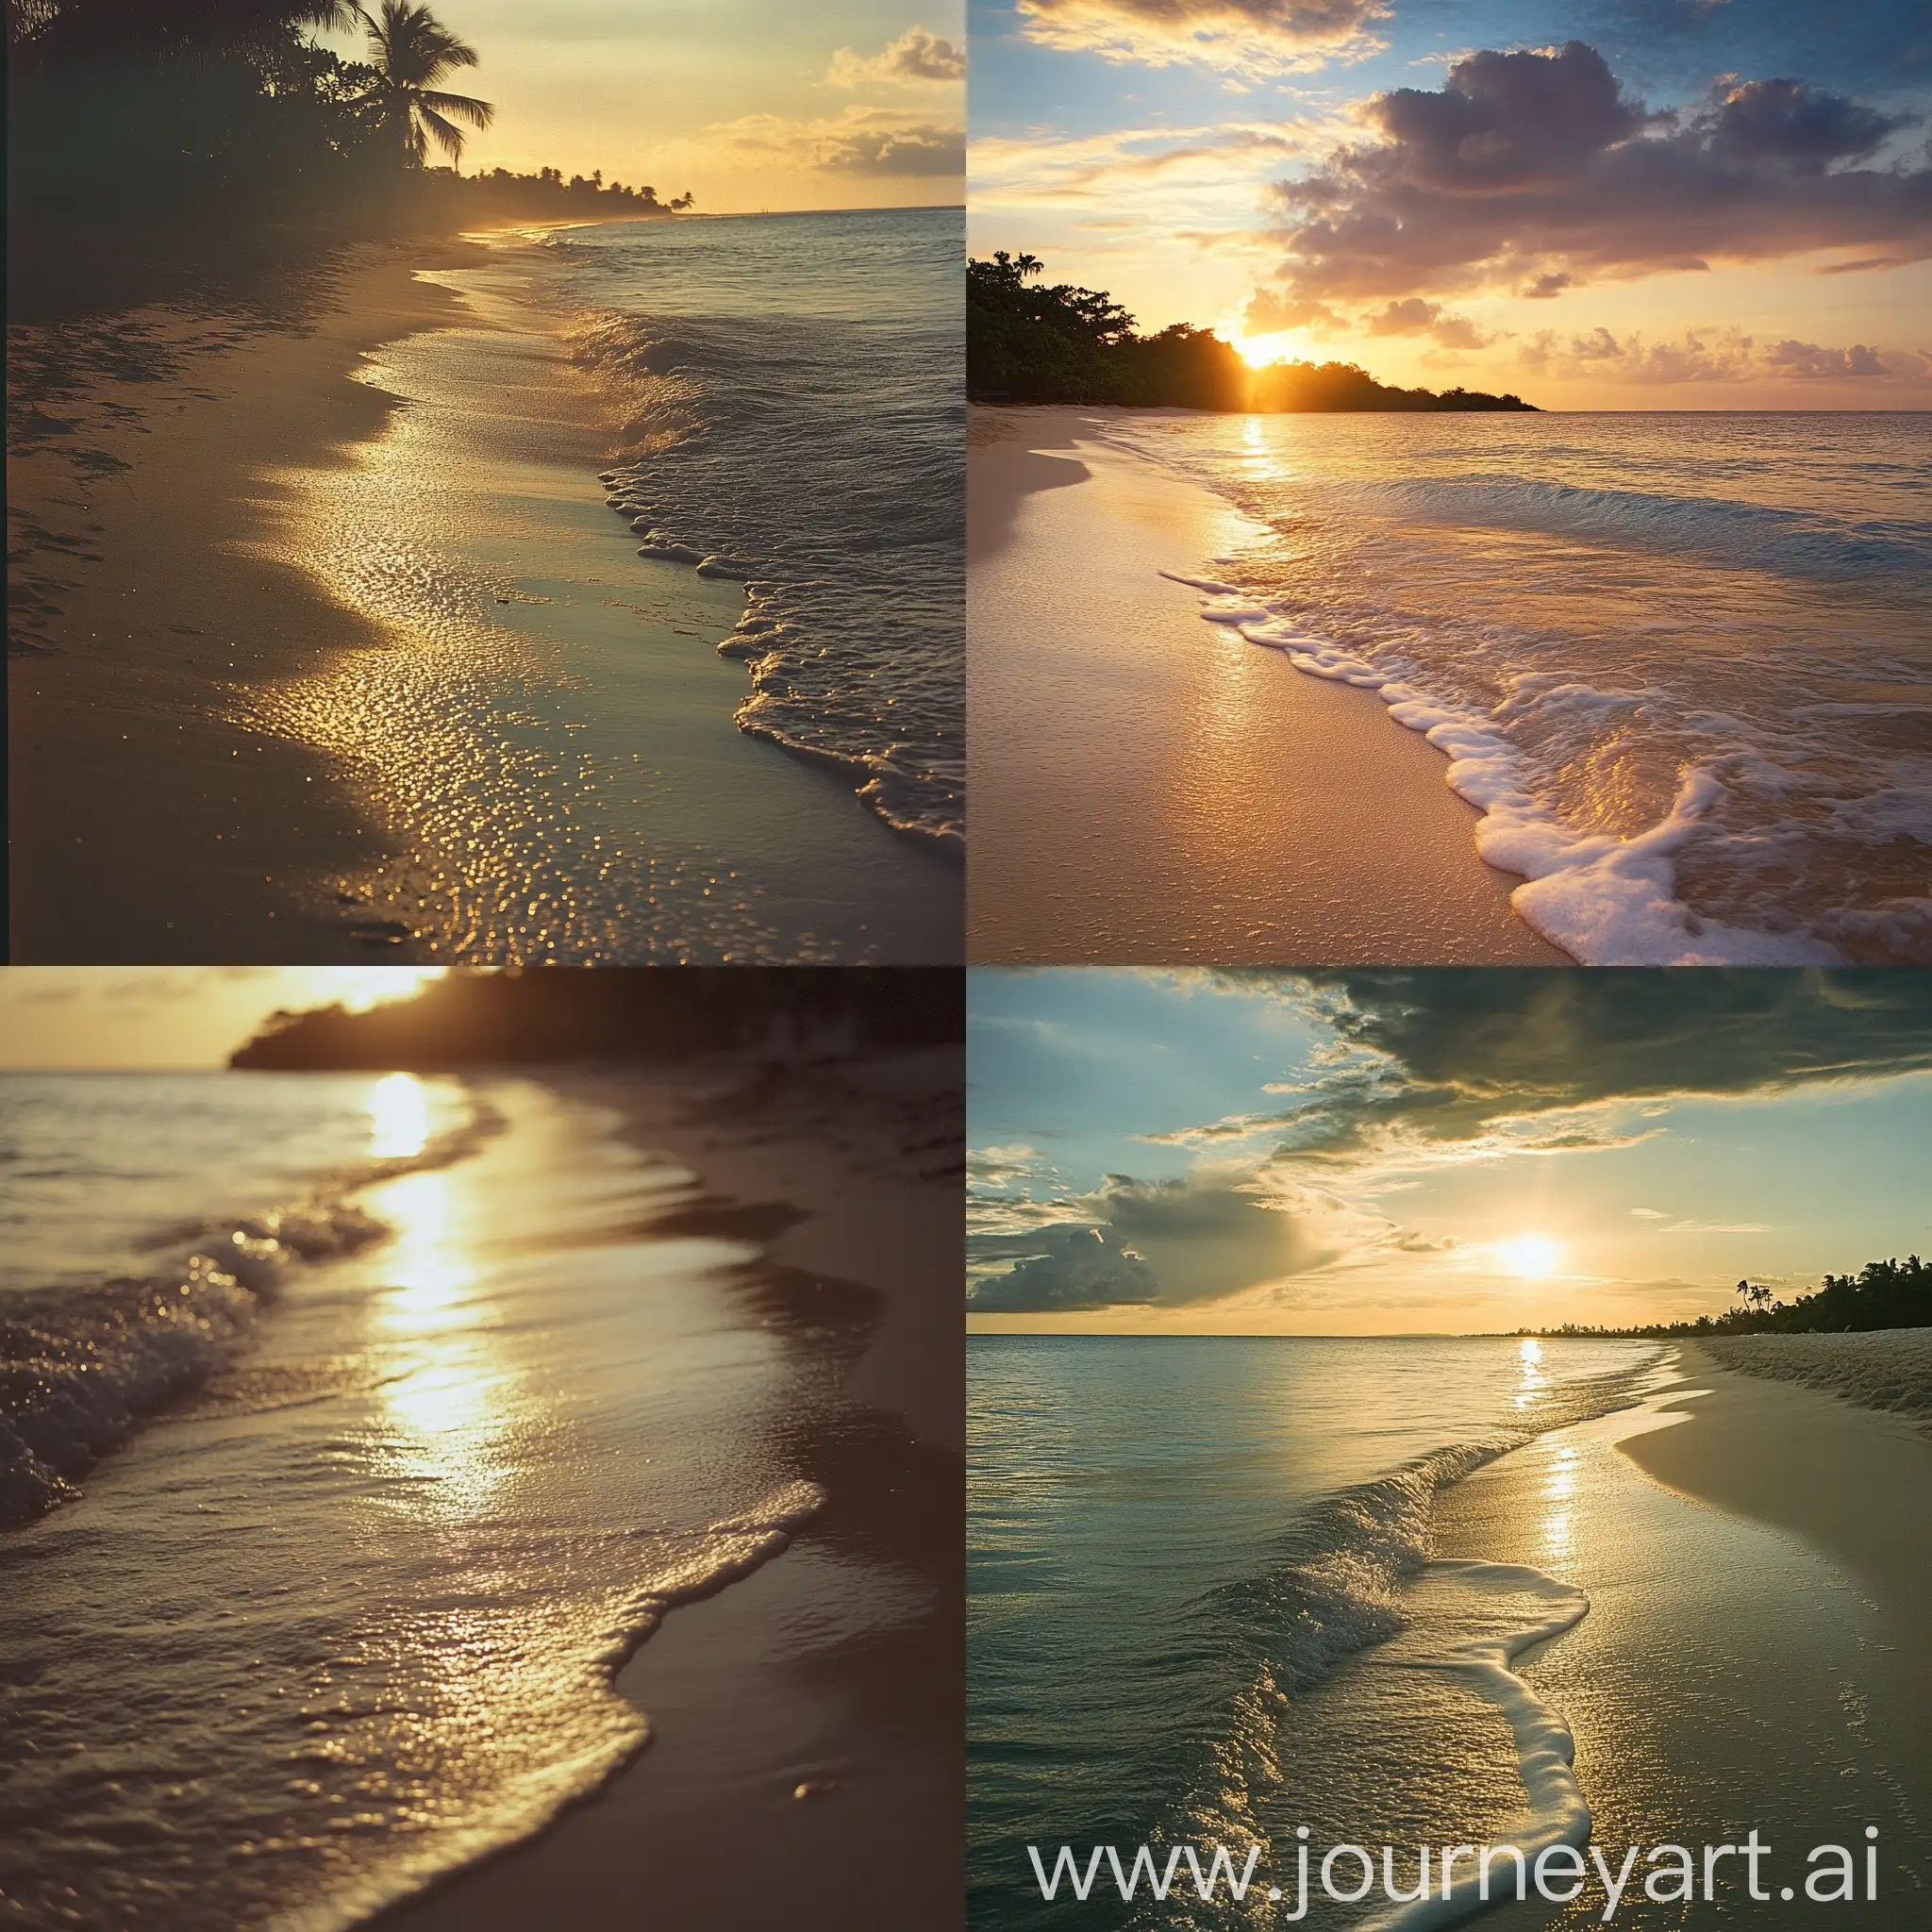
point(412, 50)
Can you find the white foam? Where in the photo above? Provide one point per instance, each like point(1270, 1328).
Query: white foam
point(1605, 900)
point(1558, 1813)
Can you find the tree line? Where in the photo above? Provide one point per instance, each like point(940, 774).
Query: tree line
point(1883, 1294)
point(1031, 341)
point(142, 127)
point(642, 1013)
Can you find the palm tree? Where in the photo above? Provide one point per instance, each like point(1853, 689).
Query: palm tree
point(412, 50)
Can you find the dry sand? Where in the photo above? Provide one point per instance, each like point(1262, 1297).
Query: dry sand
point(147, 825)
point(850, 1171)
point(1150, 787)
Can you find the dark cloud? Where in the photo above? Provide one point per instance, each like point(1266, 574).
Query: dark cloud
point(1059, 1270)
point(1168, 1242)
point(1444, 1055)
point(1531, 167)
point(1545, 288)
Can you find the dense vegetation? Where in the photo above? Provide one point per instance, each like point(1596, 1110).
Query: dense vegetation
point(1028, 342)
point(619, 1013)
point(1883, 1294)
point(188, 135)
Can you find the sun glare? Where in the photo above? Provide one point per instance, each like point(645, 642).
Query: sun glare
point(398, 1117)
point(359, 988)
point(1262, 351)
point(1530, 1257)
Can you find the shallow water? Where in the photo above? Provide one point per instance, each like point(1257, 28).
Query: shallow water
point(557, 751)
point(347, 1614)
point(1684, 663)
point(1174, 1541)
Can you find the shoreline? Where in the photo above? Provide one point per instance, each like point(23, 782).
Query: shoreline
point(1752, 1647)
point(789, 1733)
point(125, 698)
point(270, 678)
point(1207, 801)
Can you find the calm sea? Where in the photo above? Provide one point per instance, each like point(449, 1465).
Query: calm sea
point(1175, 1547)
point(795, 409)
point(1684, 662)
point(351, 1436)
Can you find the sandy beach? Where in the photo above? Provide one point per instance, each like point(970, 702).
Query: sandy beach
point(328, 649)
point(1150, 787)
point(834, 1670)
point(149, 821)
point(1753, 1654)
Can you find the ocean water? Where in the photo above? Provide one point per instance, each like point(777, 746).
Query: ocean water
point(793, 412)
point(1177, 1550)
point(350, 1505)
point(744, 743)
point(1682, 664)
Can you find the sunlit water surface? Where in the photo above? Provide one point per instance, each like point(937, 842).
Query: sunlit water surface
point(1224, 1590)
point(559, 752)
point(1684, 662)
point(347, 1613)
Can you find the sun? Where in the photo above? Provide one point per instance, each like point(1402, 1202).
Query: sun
point(1530, 1257)
point(1262, 351)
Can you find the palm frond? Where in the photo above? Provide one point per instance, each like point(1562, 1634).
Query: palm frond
point(448, 137)
point(477, 113)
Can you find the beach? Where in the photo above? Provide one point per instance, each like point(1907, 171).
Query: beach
point(336, 651)
point(1671, 666)
point(152, 820)
point(1152, 789)
point(784, 1682)
point(603, 1360)
point(1702, 1586)
point(1754, 1651)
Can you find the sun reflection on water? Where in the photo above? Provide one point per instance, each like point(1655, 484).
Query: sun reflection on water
point(1532, 1383)
point(446, 1395)
point(398, 1117)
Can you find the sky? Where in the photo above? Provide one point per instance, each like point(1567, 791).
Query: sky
point(1442, 1151)
point(170, 1016)
point(748, 103)
point(1599, 204)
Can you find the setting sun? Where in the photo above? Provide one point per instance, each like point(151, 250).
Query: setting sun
point(1530, 1257)
point(1263, 351)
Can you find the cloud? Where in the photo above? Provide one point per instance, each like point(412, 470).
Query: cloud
point(1415, 317)
point(1806, 360)
point(860, 140)
point(1203, 1237)
point(1459, 1064)
point(1104, 167)
point(1269, 310)
point(1063, 1269)
point(1528, 167)
point(917, 55)
point(1235, 35)
point(1545, 288)
point(1714, 356)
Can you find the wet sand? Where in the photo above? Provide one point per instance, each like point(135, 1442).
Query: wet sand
point(1756, 1558)
point(150, 820)
point(1148, 788)
point(836, 1670)
point(330, 651)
